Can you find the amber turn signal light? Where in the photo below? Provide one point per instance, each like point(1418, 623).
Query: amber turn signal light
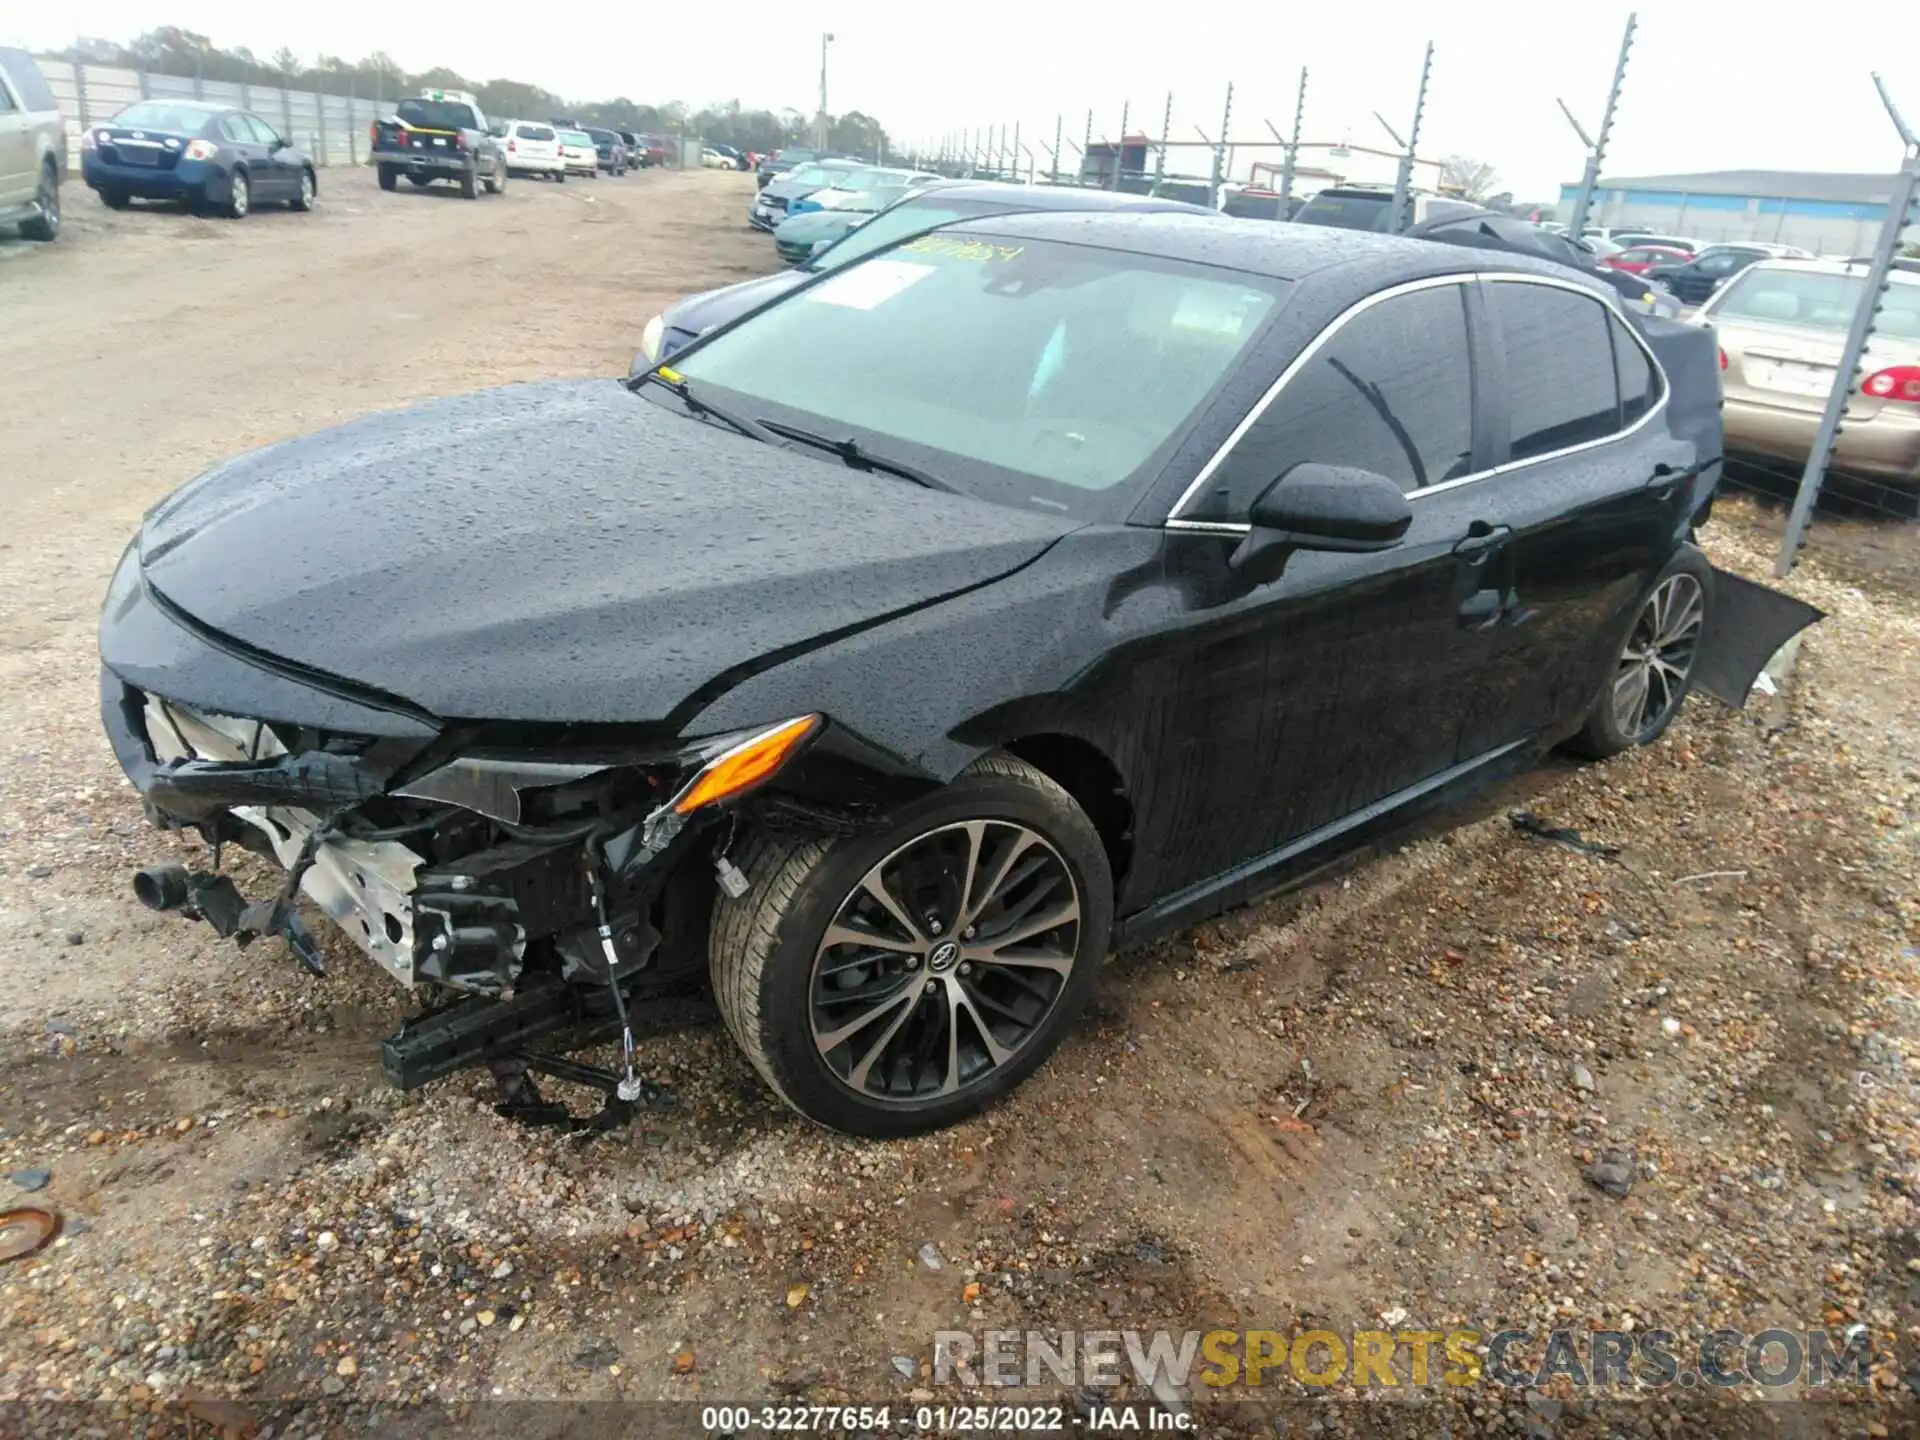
point(746, 764)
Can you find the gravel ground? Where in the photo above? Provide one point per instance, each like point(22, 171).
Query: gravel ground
point(1473, 1080)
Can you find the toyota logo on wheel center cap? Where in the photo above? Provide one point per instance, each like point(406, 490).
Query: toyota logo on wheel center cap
point(943, 955)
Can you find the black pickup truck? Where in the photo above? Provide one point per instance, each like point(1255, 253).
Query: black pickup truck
point(440, 135)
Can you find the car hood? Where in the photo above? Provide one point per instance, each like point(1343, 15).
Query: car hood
point(819, 224)
point(559, 552)
point(787, 189)
point(699, 313)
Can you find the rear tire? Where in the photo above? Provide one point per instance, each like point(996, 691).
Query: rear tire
point(497, 181)
point(115, 199)
point(1652, 667)
point(1037, 853)
point(45, 225)
point(240, 195)
point(560, 176)
point(389, 178)
point(469, 186)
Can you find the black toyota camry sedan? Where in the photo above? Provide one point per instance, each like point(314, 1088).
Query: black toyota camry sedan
point(1001, 599)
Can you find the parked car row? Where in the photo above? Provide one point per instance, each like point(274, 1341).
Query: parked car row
point(816, 217)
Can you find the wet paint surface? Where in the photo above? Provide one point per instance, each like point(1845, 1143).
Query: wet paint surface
point(557, 552)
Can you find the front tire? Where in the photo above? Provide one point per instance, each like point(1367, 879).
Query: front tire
point(309, 188)
point(896, 981)
point(1652, 669)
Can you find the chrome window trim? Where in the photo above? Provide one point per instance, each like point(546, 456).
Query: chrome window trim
point(1176, 521)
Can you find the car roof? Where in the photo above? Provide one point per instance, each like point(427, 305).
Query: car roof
point(1056, 197)
point(1898, 275)
point(1279, 249)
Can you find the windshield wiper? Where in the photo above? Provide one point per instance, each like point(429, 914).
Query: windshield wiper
point(856, 458)
point(752, 429)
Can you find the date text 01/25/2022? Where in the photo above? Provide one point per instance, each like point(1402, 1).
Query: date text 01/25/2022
point(742, 1420)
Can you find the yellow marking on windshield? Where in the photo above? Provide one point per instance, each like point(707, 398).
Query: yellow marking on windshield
point(669, 374)
point(962, 249)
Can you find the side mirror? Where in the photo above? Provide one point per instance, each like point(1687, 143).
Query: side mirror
point(1320, 507)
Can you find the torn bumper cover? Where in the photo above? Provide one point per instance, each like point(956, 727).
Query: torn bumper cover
point(464, 875)
point(1746, 626)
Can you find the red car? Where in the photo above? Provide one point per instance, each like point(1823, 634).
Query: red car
point(1638, 259)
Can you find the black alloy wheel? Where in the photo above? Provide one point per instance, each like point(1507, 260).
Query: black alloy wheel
point(1652, 675)
point(893, 981)
point(1649, 675)
point(944, 960)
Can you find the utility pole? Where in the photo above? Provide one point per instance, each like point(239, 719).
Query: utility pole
point(1846, 376)
point(1223, 156)
point(1293, 143)
point(820, 125)
point(1403, 178)
point(1597, 149)
point(1166, 134)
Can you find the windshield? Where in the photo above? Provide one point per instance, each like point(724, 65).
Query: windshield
point(811, 175)
point(164, 115)
point(1062, 378)
point(1349, 212)
point(1817, 301)
point(437, 115)
point(891, 226)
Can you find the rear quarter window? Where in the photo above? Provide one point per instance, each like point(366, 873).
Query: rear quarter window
point(1562, 387)
point(27, 81)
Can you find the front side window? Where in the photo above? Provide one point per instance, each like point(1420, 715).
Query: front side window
point(1390, 390)
point(1561, 387)
point(1032, 372)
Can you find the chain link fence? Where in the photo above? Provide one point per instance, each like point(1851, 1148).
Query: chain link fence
point(332, 128)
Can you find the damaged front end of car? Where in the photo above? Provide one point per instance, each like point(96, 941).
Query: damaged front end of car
point(534, 893)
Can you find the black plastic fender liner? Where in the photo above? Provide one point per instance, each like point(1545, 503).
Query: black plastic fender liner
point(1746, 624)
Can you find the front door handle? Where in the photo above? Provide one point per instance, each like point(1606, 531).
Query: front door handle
point(1481, 539)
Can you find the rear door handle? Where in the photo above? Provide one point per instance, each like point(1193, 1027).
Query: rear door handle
point(1481, 539)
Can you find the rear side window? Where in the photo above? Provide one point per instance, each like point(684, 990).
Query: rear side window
point(27, 82)
point(1561, 388)
point(236, 129)
point(1639, 381)
point(1391, 391)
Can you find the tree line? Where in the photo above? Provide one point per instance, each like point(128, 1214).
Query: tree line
point(172, 50)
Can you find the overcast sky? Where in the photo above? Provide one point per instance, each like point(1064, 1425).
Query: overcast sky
point(1711, 84)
